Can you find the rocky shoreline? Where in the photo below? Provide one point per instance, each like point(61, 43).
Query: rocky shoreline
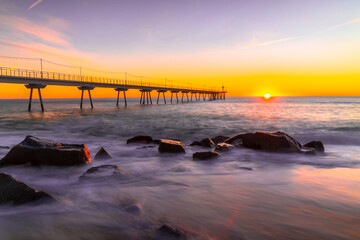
point(38, 152)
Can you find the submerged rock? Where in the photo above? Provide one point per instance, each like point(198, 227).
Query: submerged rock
point(170, 232)
point(13, 191)
point(4, 147)
point(317, 145)
point(140, 139)
point(195, 143)
point(102, 154)
point(205, 155)
point(219, 139)
point(39, 151)
point(101, 171)
point(223, 147)
point(171, 146)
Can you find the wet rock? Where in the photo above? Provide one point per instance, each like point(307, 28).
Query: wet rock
point(140, 139)
point(102, 154)
point(15, 192)
point(195, 143)
point(157, 141)
point(4, 147)
point(268, 141)
point(101, 171)
point(223, 147)
point(205, 155)
point(38, 151)
point(219, 139)
point(144, 147)
point(171, 146)
point(317, 145)
point(170, 232)
point(308, 150)
point(133, 209)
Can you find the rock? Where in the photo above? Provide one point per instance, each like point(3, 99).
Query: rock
point(102, 154)
point(15, 192)
point(207, 142)
point(4, 147)
point(219, 139)
point(308, 150)
point(223, 147)
point(157, 141)
point(145, 147)
point(195, 143)
point(318, 145)
point(101, 171)
point(169, 232)
point(268, 141)
point(135, 209)
point(140, 139)
point(205, 155)
point(171, 146)
point(38, 151)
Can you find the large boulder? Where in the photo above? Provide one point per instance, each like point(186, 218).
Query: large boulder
point(102, 171)
point(38, 151)
point(169, 232)
point(13, 191)
point(140, 139)
point(171, 146)
point(317, 145)
point(268, 141)
point(102, 154)
point(205, 155)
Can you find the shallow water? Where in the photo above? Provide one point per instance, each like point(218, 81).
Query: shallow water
point(244, 194)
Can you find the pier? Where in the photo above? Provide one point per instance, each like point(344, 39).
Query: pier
point(39, 79)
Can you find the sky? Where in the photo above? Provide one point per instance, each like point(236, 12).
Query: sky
point(253, 47)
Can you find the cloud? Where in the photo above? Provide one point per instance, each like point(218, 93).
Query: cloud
point(272, 42)
point(47, 34)
point(34, 4)
point(340, 25)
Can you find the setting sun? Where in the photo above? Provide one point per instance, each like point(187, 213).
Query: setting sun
point(267, 96)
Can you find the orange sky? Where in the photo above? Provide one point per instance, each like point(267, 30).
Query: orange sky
point(284, 56)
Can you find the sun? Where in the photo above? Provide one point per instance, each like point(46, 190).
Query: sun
point(267, 96)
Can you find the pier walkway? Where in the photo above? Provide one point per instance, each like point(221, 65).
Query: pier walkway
point(35, 79)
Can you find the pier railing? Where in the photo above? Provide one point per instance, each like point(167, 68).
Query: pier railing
point(44, 75)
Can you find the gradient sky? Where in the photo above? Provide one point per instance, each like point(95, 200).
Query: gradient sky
point(284, 47)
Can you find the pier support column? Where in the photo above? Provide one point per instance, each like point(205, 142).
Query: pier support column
point(31, 87)
point(176, 94)
point(83, 88)
point(118, 95)
point(159, 93)
point(145, 93)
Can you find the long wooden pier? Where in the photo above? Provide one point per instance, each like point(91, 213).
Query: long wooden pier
point(34, 79)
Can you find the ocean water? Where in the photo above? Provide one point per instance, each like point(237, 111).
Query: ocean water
point(244, 194)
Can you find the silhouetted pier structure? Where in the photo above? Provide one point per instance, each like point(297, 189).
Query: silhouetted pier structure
point(34, 79)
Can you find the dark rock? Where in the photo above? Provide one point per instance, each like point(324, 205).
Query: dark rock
point(4, 147)
point(13, 191)
point(195, 143)
point(171, 146)
point(223, 147)
point(205, 155)
point(207, 142)
point(268, 141)
point(246, 168)
point(39, 151)
point(145, 147)
point(219, 139)
point(318, 145)
point(157, 141)
point(102, 154)
point(169, 232)
point(140, 139)
point(134, 209)
point(101, 171)
point(308, 150)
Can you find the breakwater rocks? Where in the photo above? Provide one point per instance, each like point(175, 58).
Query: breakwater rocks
point(39, 151)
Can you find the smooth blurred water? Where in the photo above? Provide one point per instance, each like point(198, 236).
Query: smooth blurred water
point(244, 194)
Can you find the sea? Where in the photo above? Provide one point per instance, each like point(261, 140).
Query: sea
point(243, 194)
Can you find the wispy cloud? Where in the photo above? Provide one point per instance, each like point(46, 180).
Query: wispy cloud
point(34, 4)
point(357, 20)
point(272, 42)
point(39, 31)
